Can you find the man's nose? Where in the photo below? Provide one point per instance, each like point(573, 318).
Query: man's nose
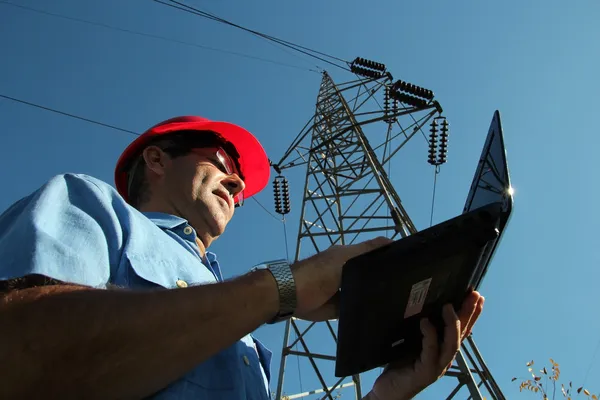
point(234, 184)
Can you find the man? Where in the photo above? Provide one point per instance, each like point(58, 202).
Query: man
point(112, 293)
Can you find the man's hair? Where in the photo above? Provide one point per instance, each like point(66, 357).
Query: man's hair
point(178, 144)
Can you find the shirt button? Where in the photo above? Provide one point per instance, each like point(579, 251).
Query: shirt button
point(246, 360)
point(188, 230)
point(181, 284)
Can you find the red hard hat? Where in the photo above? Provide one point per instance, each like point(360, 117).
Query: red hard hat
point(253, 160)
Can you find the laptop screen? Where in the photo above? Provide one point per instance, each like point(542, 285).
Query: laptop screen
point(491, 183)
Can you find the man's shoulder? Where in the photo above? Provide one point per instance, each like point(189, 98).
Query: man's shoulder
point(66, 191)
point(71, 178)
point(78, 183)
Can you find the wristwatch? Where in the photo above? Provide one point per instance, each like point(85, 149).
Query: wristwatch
point(282, 272)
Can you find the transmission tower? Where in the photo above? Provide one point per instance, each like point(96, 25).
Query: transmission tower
point(357, 129)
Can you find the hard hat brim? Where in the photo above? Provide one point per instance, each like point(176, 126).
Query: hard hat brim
point(253, 160)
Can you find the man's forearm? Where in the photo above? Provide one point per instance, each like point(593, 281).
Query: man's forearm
point(372, 396)
point(120, 343)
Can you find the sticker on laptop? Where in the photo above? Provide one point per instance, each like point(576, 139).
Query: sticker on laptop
point(417, 297)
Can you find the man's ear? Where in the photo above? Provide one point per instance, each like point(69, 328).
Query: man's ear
point(156, 159)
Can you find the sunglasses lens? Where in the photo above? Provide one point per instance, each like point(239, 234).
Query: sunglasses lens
point(227, 162)
point(231, 169)
point(239, 199)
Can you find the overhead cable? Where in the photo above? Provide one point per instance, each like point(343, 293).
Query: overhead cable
point(305, 50)
point(68, 115)
point(101, 124)
point(216, 18)
point(153, 36)
point(267, 211)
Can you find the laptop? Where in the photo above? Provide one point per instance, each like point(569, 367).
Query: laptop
point(385, 293)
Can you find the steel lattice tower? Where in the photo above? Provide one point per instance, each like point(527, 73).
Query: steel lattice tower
point(357, 128)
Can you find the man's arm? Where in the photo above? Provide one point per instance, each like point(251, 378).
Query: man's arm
point(68, 340)
point(98, 343)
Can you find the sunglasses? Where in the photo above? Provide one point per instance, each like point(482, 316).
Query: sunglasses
point(227, 166)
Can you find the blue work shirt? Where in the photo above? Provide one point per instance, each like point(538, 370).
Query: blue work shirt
point(78, 229)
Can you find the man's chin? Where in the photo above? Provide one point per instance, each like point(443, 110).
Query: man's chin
point(219, 223)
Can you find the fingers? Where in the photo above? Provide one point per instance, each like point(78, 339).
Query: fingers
point(436, 358)
point(475, 316)
point(458, 327)
point(469, 312)
point(452, 337)
point(430, 351)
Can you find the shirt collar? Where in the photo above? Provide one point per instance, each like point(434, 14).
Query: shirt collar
point(212, 257)
point(169, 221)
point(166, 221)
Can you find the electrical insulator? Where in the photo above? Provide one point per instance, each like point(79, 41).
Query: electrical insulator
point(444, 124)
point(386, 105)
point(286, 196)
point(407, 99)
point(276, 195)
point(390, 112)
point(281, 194)
point(366, 72)
point(368, 68)
point(413, 89)
point(432, 143)
point(369, 64)
point(443, 151)
point(399, 85)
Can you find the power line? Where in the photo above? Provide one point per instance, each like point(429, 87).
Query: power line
point(273, 44)
point(285, 239)
point(106, 26)
point(436, 171)
point(153, 36)
point(213, 16)
point(101, 124)
point(264, 208)
point(68, 115)
point(184, 7)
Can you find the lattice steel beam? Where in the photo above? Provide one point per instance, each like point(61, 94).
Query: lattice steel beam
point(348, 197)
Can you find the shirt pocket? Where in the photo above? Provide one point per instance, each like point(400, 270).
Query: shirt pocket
point(144, 271)
point(220, 374)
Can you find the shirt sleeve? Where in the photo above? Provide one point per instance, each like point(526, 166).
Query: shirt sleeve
point(66, 230)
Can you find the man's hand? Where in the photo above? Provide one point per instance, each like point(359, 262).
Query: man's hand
point(318, 278)
point(405, 383)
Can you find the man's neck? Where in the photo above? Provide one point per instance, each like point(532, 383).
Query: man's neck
point(153, 206)
point(201, 247)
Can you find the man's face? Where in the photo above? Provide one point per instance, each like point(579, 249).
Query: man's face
point(201, 190)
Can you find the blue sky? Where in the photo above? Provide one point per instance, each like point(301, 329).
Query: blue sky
point(535, 61)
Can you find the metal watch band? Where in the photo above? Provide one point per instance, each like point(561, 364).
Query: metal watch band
point(282, 272)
